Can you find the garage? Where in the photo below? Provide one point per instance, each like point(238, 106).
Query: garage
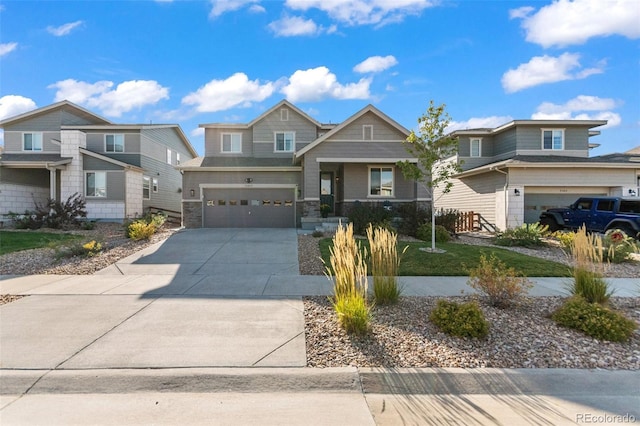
point(534, 204)
point(249, 207)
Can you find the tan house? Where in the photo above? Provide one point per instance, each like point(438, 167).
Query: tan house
point(514, 172)
point(278, 169)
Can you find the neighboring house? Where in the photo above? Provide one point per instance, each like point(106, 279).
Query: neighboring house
point(277, 170)
point(514, 172)
point(122, 170)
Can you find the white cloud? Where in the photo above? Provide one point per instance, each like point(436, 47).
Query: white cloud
point(12, 105)
point(564, 22)
point(479, 123)
point(290, 26)
point(218, 95)
point(375, 64)
point(546, 69)
point(521, 12)
point(220, 7)
point(574, 109)
point(364, 12)
point(6, 48)
point(65, 29)
point(125, 97)
point(319, 83)
point(197, 132)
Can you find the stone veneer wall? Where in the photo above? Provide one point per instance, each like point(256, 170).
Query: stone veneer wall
point(133, 195)
point(192, 214)
point(18, 198)
point(105, 210)
point(72, 178)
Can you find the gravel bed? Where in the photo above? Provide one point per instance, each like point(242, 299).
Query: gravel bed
point(521, 337)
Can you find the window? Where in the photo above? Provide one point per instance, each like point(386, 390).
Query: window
point(32, 141)
point(155, 185)
point(381, 181)
point(232, 142)
point(367, 132)
point(553, 139)
point(96, 184)
point(285, 141)
point(605, 205)
point(476, 148)
point(146, 194)
point(284, 114)
point(169, 156)
point(177, 158)
point(114, 143)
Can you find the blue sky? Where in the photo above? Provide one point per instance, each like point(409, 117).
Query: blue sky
point(193, 62)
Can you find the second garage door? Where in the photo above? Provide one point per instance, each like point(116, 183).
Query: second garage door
point(249, 208)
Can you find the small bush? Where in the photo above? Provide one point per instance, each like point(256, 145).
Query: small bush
point(447, 218)
point(26, 220)
point(594, 320)
point(361, 215)
point(565, 238)
point(411, 217)
point(92, 248)
point(354, 315)
point(53, 214)
point(503, 286)
point(317, 234)
point(527, 235)
point(590, 285)
point(424, 233)
point(140, 230)
point(462, 320)
point(78, 249)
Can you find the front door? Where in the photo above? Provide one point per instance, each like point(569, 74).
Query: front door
point(326, 189)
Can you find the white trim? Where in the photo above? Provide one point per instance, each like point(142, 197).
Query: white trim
point(284, 114)
point(169, 159)
point(109, 160)
point(154, 185)
point(96, 197)
point(204, 186)
point(242, 169)
point(275, 141)
point(311, 199)
point(393, 181)
point(364, 160)
point(364, 132)
point(360, 141)
point(148, 180)
point(231, 134)
point(41, 150)
point(114, 143)
point(377, 200)
point(552, 130)
point(471, 139)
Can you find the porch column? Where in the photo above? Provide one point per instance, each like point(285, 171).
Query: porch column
point(52, 183)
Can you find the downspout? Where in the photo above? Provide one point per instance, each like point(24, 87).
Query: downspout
point(506, 193)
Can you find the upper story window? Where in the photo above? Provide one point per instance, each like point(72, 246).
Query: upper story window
point(284, 114)
point(178, 158)
point(96, 184)
point(169, 156)
point(367, 132)
point(475, 149)
point(231, 142)
point(553, 139)
point(114, 143)
point(32, 141)
point(154, 182)
point(285, 141)
point(381, 181)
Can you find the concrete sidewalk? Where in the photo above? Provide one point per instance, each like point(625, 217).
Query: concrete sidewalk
point(208, 327)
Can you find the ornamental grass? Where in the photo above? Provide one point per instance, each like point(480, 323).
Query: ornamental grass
point(385, 264)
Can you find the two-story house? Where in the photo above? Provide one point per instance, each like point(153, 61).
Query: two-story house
point(280, 167)
point(62, 149)
point(513, 172)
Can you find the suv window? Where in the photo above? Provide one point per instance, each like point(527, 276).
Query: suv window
point(630, 206)
point(584, 204)
point(605, 205)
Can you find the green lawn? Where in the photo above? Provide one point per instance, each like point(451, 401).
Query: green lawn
point(11, 241)
point(459, 257)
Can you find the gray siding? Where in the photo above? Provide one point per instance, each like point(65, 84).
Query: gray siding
point(31, 177)
point(356, 184)
point(382, 131)
point(91, 163)
point(213, 142)
point(116, 186)
point(169, 138)
point(575, 138)
point(48, 121)
point(169, 183)
point(13, 142)
point(96, 141)
point(192, 180)
point(505, 142)
point(263, 132)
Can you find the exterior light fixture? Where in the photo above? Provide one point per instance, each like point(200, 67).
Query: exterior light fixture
point(192, 192)
point(516, 192)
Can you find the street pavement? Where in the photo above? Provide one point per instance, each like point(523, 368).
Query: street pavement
point(208, 328)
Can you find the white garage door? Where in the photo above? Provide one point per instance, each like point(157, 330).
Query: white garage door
point(249, 208)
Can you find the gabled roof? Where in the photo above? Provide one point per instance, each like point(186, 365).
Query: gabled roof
point(238, 163)
point(110, 160)
point(542, 123)
point(347, 122)
point(282, 103)
point(58, 105)
point(33, 160)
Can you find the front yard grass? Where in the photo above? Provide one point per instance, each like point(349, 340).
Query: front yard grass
point(11, 241)
point(458, 258)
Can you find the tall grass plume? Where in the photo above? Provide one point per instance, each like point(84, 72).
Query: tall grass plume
point(385, 263)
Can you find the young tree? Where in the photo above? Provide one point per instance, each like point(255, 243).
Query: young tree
point(433, 148)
